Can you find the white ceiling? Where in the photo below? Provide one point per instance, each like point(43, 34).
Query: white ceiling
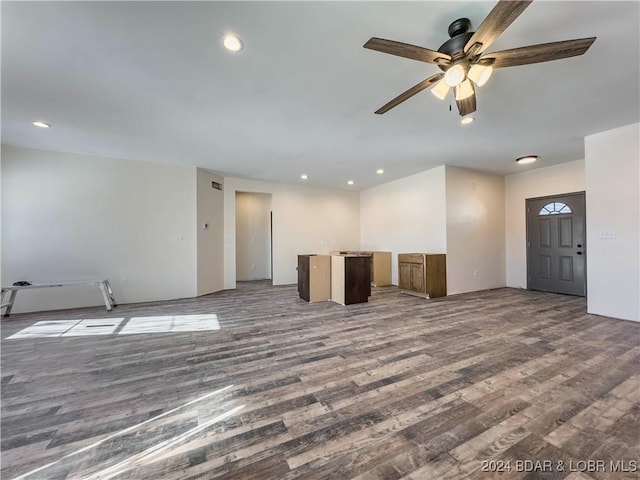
point(150, 81)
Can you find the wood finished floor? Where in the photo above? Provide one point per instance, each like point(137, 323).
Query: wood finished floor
point(397, 388)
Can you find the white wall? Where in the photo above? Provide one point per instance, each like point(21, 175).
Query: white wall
point(74, 217)
point(404, 216)
point(210, 211)
point(475, 231)
point(564, 178)
point(612, 167)
point(305, 220)
point(253, 236)
point(1, 282)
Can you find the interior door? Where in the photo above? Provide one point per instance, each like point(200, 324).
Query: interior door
point(556, 249)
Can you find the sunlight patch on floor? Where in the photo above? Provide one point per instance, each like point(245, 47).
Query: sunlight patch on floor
point(171, 323)
point(109, 326)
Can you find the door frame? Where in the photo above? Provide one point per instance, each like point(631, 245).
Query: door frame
point(527, 201)
point(269, 237)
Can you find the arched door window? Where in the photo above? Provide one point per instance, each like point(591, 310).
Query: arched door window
point(555, 208)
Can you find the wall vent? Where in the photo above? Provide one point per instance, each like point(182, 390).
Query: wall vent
point(216, 185)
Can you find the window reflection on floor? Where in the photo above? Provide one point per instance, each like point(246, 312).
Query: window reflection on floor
point(147, 449)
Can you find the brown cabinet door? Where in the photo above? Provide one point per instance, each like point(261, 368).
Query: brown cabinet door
point(411, 277)
point(357, 280)
point(404, 277)
point(417, 278)
point(303, 277)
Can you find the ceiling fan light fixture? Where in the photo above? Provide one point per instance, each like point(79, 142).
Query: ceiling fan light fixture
point(464, 90)
point(463, 55)
point(480, 74)
point(440, 89)
point(526, 159)
point(454, 75)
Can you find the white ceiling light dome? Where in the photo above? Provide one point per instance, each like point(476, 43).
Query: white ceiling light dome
point(480, 74)
point(441, 89)
point(232, 42)
point(454, 75)
point(464, 90)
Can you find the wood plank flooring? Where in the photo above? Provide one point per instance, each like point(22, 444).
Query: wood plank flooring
point(495, 384)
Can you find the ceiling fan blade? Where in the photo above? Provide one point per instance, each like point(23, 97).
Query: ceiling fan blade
point(502, 15)
point(544, 52)
point(410, 93)
point(467, 105)
point(408, 51)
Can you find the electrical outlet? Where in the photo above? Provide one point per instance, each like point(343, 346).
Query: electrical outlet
point(475, 273)
point(124, 282)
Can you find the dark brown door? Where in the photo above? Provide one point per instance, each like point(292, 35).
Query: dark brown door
point(556, 249)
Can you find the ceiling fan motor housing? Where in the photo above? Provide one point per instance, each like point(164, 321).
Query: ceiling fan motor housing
point(460, 35)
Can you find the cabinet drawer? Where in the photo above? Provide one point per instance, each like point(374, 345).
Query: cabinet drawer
point(410, 258)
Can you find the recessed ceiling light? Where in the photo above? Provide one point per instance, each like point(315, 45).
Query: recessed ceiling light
point(380, 171)
point(304, 176)
point(40, 124)
point(350, 182)
point(232, 42)
point(466, 120)
point(526, 159)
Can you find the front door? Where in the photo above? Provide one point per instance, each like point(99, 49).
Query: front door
point(556, 253)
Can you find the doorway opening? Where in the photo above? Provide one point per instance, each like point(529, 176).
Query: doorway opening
point(254, 257)
point(556, 244)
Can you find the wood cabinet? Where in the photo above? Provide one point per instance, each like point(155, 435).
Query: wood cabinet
point(314, 277)
point(350, 278)
point(380, 265)
point(380, 269)
point(423, 274)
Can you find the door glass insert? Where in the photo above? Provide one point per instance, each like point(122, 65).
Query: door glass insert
point(555, 208)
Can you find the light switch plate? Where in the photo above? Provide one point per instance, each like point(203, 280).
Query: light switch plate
point(607, 234)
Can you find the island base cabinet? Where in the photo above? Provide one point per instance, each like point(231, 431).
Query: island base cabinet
point(380, 269)
point(423, 274)
point(314, 277)
point(380, 265)
point(350, 279)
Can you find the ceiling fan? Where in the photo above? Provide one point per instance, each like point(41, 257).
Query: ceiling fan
point(463, 61)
